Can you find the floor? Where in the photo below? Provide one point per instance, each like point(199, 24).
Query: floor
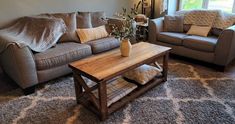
point(193, 94)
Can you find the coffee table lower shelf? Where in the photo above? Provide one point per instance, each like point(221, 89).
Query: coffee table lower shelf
point(84, 100)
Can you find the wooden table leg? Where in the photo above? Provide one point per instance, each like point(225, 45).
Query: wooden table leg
point(165, 66)
point(103, 101)
point(78, 87)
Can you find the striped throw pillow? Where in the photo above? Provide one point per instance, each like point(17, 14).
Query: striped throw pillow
point(90, 34)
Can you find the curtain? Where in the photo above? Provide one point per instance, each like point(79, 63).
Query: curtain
point(163, 6)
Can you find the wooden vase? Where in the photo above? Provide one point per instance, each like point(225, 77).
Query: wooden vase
point(125, 47)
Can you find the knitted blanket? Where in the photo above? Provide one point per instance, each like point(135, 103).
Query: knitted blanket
point(38, 33)
point(214, 18)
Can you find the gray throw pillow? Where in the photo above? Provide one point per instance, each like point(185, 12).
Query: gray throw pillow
point(216, 31)
point(84, 20)
point(173, 23)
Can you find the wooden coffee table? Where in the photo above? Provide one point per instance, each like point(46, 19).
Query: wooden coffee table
point(104, 67)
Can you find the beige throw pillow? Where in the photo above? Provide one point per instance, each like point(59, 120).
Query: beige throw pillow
point(142, 74)
point(90, 34)
point(199, 30)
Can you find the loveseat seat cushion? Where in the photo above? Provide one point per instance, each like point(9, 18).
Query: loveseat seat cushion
point(61, 54)
point(206, 44)
point(104, 44)
point(171, 37)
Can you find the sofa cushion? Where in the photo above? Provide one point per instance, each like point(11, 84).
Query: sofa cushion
point(84, 20)
point(173, 23)
point(104, 44)
point(70, 22)
point(171, 38)
point(98, 19)
point(206, 44)
point(61, 54)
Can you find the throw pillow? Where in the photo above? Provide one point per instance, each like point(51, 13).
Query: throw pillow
point(199, 30)
point(216, 31)
point(90, 34)
point(187, 27)
point(84, 20)
point(173, 23)
point(142, 74)
point(98, 19)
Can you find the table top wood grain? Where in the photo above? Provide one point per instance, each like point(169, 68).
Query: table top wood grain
point(102, 66)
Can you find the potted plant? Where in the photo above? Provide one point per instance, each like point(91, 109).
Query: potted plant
point(125, 31)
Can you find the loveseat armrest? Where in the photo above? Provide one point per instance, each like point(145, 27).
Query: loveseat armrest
point(225, 47)
point(19, 64)
point(155, 27)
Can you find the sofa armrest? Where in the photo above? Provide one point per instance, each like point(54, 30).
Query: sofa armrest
point(155, 26)
point(19, 64)
point(225, 47)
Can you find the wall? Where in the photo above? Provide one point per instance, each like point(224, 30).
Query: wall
point(11, 9)
point(172, 7)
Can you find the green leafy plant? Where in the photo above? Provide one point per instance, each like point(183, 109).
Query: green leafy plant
point(192, 4)
point(126, 30)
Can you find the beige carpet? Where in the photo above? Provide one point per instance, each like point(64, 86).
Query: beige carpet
point(193, 94)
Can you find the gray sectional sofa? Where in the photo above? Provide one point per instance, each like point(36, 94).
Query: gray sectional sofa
point(218, 48)
point(28, 68)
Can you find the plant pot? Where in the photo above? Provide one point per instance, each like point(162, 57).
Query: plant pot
point(125, 47)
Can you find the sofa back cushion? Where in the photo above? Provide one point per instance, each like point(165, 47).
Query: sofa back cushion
point(98, 19)
point(84, 20)
point(71, 26)
point(201, 17)
point(173, 23)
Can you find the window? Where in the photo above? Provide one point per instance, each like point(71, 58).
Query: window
point(225, 5)
point(191, 4)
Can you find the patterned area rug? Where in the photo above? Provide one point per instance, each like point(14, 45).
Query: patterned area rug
point(193, 94)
